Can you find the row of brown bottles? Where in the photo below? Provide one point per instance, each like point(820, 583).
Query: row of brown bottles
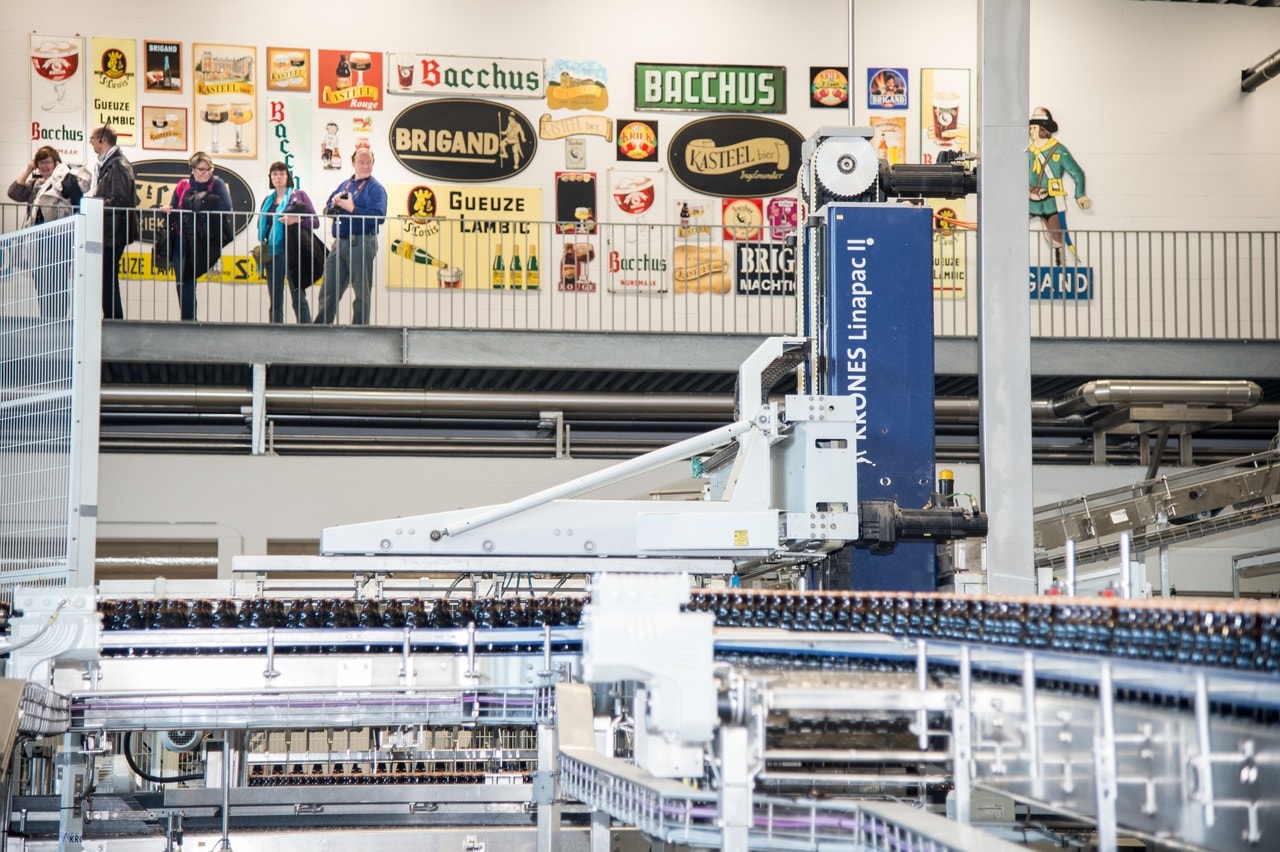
point(343, 613)
point(1235, 634)
point(282, 776)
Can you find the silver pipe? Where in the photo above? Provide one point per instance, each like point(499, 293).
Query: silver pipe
point(331, 400)
point(226, 792)
point(709, 406)
point(854, 755)
point(1113, 392)
point(589, 482)
point(1126, 566)
point(1252, 78)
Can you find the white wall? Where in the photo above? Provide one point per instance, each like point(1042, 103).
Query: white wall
point(243, 502)
point(1147, 93)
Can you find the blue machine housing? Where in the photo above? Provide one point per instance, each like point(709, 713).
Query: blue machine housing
point(876, 305)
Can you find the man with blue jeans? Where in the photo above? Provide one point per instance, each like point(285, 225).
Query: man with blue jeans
point(358, 207)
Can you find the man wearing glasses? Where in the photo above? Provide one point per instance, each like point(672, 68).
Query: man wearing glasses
point(117, 188)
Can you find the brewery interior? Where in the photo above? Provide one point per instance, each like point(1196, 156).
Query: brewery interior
point(468, 582)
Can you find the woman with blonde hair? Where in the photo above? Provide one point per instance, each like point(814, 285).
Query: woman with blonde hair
point(200, 224)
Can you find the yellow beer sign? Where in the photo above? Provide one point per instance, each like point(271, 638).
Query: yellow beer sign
point(453, 237)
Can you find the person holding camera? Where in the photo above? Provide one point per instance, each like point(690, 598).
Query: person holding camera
point(357, 206)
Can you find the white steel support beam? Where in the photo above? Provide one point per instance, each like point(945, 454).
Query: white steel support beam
point(1004, 339)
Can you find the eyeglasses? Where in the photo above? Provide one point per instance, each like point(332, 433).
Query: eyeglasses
point(203, 169)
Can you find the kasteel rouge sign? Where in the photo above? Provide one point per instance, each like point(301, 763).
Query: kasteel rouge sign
point(736, 156)
point(463, 139)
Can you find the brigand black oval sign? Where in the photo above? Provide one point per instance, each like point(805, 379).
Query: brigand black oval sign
point(736, 156)
point(156, 180)
point(463, 139)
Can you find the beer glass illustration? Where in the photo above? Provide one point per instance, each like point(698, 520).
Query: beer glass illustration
point(583, 215)
point(404, 71)
point(57, 61)
point(241, 114)
point(215, 114)
point(360, 63)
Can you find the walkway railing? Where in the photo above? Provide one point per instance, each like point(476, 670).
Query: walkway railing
point(474, 274)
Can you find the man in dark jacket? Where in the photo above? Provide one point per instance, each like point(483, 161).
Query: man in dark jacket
point(117, 188)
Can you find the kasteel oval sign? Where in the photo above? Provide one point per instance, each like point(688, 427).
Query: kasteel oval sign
point(463, 139)
point(156, 180)
point(736, 156)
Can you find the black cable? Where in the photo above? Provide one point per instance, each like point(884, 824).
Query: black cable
point(147, 776)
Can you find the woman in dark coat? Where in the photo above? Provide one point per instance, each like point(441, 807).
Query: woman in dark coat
point(286, 212)
point(200, 224)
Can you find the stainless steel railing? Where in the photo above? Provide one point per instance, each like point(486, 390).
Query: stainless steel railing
point(1142, 285)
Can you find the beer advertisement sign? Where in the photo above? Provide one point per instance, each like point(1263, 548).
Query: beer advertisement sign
point(736, 156)
point(452, 238)
point(637, 141)
point(162, 64)
point(470, 76)
point(115, 87)
point(887, 88)
point(226, 92)
point(637, 254)
point(289, 136)
point(950, 256)
point(828, 87)
point(711, 88)
point(765, 269)
point(349, 79)
point(164, 128)
point(577, 85)
point(463, 140)
point(57, 95)
point(288, 69)
point(945, 112)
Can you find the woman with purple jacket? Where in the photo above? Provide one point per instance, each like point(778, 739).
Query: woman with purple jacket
point(284, 207)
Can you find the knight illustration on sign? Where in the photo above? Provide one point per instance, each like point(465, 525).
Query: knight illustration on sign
point(1048, 160)
point(511, 137)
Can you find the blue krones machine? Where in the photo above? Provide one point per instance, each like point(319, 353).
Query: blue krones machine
point(867, 308)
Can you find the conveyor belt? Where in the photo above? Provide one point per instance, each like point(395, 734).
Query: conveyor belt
point(1240, 635)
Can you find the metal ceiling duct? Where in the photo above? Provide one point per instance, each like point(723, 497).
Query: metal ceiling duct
point(1252, 78)
point(1069, 408)
point(1114, 393)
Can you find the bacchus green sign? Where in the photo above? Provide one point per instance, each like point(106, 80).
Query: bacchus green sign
point(711, 88)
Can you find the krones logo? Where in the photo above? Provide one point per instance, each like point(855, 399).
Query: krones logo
point(462, 139)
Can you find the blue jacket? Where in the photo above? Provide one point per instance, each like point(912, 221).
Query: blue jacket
point(370, 199)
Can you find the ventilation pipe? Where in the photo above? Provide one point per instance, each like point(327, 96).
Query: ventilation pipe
point(1252, 78)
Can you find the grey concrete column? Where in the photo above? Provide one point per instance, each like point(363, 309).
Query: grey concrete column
point(1004, 338)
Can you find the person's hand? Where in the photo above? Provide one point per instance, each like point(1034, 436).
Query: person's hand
point(288, 220)
point(1084, 202)
point(345, 202)
point(31, 166)
point(166, 208)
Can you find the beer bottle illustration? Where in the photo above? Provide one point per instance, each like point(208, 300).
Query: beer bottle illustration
point(517, 272)
point(531, 278)
point(343, 72)
point(417, 254)
point(499, 279)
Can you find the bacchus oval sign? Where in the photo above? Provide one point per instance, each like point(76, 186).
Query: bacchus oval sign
point(462, 139)
point(736, 156)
